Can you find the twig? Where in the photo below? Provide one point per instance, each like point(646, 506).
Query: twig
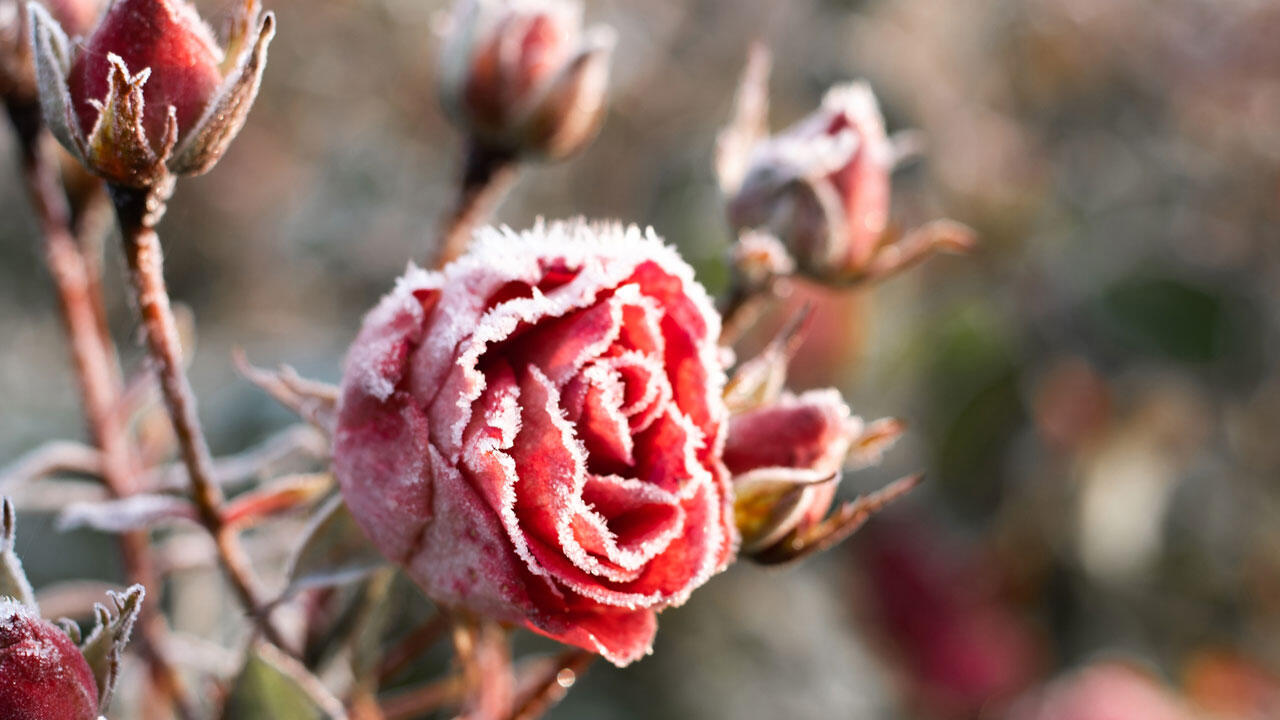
point(412, 646)
point(138, 210)
point(421, 700)
point(97, 371)
point(548, 687)
point(486, 176)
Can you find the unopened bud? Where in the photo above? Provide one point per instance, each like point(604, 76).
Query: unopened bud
point(43, 676)
point(150, 92)
point(822, 186)
point(523, 78)
point(786, 460)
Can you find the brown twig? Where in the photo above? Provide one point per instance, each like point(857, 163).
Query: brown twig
point(487, 175)
point(424, 699)
point(138, 211)
point(413, 645)
point(97, 372)
point(550, 684)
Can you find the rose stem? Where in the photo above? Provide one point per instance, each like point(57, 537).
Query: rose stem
point(553, 684)
point(138, 210)
point(487, 175)
point(97, 374)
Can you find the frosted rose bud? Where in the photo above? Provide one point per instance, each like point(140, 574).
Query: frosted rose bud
point(43, 676)
point(523, 78)
point(150, 92)
point(534, 433)
point(786, 459)
point(821, 186)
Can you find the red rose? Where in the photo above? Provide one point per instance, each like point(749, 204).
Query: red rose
point(535, 433)
point(42, 674)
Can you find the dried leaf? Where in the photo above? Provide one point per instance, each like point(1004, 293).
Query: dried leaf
point(279, 496)
point(750, 120)
point(136, 512)
point(313, 401)
point(876, 439)
point(840, 525)
point(334, 551)
point(760, 380)
point(51, 458)
point(105, 645)
point(273, 686)
point(222, 120)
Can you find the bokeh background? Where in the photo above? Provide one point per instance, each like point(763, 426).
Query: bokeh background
point(1094, 395)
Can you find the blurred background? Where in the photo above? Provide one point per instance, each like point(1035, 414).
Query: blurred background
point(1094, 395)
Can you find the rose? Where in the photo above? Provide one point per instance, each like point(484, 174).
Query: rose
point(535, 433)
point(149, 92)
point(42, 673)
point(822, 185)
point(523, 77)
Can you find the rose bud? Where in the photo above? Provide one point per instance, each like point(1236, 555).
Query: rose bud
point(534, 433)
point(822, 186)
point(523, 78)
point(786, 459)
point(43, 676)
point(149, 93)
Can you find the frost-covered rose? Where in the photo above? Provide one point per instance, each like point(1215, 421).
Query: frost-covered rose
point(42, 674)
point(535, 433)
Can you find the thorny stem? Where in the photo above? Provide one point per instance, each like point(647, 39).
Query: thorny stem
point(487, 174)
point(97, 373)
point(138, 211)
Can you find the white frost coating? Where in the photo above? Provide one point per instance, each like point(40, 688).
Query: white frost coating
point(11, 609)
point(400, 306)
point(603, 254)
